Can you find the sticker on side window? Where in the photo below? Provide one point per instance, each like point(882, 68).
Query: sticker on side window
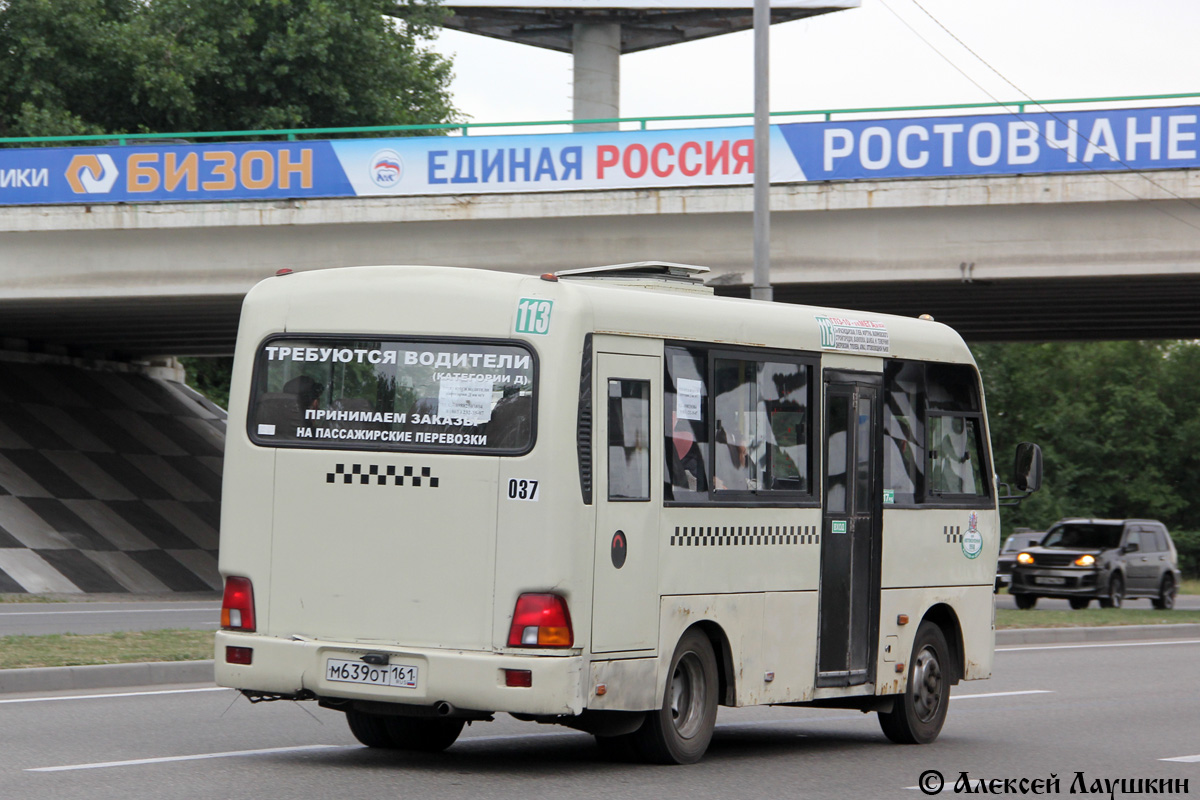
point(523, 489)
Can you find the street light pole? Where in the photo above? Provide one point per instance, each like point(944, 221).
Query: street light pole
point(761, 289)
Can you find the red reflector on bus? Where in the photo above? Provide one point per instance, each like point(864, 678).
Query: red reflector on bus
point(541, 620)
point(239, 655)
point(518, 677)
point(237, 607)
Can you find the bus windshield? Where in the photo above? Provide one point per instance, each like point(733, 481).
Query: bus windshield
point(375, 394)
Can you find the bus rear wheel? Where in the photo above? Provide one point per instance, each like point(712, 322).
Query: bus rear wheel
point(404, 733)
point(369, 729)
point(422, 734)
point(680, 730)
point(918, 714)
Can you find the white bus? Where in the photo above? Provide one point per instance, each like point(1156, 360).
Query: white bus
point(601, 498)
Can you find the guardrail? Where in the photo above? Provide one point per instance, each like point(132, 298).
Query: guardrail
point(641, 123)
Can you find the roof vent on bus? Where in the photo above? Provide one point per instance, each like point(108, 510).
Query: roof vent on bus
point(661, 275)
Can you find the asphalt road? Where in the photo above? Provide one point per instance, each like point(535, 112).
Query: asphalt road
point(94, 617)
point(1110, 711)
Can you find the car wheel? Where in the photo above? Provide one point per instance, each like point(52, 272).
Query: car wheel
point(918, 714)
point(1166, 593)
point(1116, 593)
point(422, 734)
point(1079, 602)
point(1025, 601)
point(680, 730)
point(369, 729)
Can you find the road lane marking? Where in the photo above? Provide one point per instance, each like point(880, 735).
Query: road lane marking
point(999, 694)
point(465, 740)
point(1023, 648)
point(212, 610)
point(199, 757)
point(49, 698)
point(1184, 759)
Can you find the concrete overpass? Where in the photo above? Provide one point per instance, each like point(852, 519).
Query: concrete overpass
point(1021, 257)
point(110, 480)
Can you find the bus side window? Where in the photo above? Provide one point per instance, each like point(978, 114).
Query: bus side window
point(628, 440)
point(685, 424)
point(957, 465)
point(761, 440)
point(955, 461)
point(904, 431)
point(736, 437)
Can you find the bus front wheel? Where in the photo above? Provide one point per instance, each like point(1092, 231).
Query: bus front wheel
point(918, 714)
point(680, 730)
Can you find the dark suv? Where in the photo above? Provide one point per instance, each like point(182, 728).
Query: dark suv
point(1015, 543)
point(1106, 559)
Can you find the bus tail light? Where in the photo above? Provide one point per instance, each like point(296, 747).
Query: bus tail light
point(541, 620)
point(237, 608)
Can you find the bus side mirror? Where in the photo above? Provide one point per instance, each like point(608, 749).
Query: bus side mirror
point(1028, 477)
point(1028, 467)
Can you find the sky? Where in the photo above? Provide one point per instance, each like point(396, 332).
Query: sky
point(865, 57)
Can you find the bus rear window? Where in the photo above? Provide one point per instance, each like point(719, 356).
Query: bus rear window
point(375, 394)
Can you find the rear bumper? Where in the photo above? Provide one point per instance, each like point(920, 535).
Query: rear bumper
point(465, 679)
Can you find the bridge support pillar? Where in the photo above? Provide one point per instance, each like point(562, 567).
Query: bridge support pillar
point(597, 51)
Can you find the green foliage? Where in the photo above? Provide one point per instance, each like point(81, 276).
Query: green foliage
point(1187, 543)
point(1118, 423)
point(130, 66)
point(210, 377)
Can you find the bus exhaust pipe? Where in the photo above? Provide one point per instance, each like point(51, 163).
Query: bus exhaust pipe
point(444, 709)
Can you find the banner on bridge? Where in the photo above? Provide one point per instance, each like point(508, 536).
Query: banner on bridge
point(948, 146)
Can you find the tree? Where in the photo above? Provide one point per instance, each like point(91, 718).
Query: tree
point(1118, 422)
point(132, 66)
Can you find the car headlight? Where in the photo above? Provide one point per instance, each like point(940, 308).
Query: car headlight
point(1024, 558)
point(1085, 561)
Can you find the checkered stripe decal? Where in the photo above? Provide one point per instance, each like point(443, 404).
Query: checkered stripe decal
point(368, 474)
point(109, 482)
point(744, 536)
point(953, 534)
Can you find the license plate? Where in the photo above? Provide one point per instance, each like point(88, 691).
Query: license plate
point(1052, 581)
point(401, 675)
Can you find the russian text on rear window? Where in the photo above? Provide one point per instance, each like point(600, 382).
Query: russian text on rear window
point(377, 394)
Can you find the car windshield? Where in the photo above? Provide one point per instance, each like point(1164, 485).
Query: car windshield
point(1019, 541)
point(1084, 535)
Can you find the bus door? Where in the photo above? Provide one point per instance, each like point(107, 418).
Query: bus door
point(851, 530)
point(628, 481)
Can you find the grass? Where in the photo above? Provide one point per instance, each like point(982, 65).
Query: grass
point(1091, 617)
point(71, 650)
point(68, 650)
point(30, 598)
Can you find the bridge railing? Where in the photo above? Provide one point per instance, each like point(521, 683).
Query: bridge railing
point(635, 123)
